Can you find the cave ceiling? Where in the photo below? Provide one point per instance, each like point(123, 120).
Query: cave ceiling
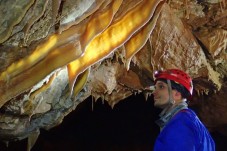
point(55, 54)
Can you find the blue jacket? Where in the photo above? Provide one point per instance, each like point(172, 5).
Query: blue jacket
point(184, 132)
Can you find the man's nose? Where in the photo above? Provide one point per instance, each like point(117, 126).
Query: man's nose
point(150, 88)
point(155, 92)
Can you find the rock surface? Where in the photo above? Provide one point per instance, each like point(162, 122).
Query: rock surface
point(41, 41)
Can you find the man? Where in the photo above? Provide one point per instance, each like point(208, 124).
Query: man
point(181, 129)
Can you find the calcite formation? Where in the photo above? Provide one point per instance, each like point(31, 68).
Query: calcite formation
point(55, 54)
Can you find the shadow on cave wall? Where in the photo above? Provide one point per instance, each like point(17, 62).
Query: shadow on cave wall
point(129, 126)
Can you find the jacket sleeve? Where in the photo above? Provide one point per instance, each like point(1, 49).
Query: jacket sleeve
point(179, 134)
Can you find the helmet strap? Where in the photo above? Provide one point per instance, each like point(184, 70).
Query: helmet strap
point(171, 101)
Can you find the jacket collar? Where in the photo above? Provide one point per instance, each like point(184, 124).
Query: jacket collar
point(168, 113)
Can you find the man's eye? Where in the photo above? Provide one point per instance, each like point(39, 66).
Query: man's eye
point(160, 86)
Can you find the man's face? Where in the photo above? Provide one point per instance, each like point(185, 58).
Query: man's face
point(161, 94)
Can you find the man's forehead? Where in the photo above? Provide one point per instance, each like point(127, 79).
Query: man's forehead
point(160, 82)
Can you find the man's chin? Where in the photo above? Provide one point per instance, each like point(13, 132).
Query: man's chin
point(158, 105)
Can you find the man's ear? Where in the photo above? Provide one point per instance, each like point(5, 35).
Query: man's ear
point(178, 95)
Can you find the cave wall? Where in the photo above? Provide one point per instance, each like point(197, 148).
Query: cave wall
point(56, 54)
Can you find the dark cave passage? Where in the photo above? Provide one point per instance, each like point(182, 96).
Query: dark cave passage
point(129, 126)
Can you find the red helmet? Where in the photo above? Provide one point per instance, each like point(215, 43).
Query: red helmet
point(177, 76)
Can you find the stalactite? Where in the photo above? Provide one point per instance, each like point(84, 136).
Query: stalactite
point(97, 24)
point(139, 39)
point(80, 82)
point(91, 10)
point(55, 8)
point(35, 17)
point(33, 75)
point(113, 41)
point(99, 21)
